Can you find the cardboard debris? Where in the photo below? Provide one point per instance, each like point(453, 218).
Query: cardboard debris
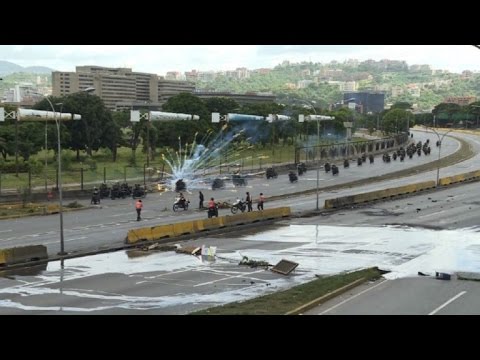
point(284, 267)
point(191, 250)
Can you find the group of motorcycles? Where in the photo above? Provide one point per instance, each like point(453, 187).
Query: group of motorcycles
point(117, 191)
point(301, 168)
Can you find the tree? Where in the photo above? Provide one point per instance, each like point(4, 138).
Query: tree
point(403, 105)
point(95, 129)
point(395, 121)
point(445, 112)
point(188, 104)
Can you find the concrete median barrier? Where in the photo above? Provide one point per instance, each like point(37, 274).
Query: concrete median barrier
point(197, 226)
point(473, 175)
point(162, 231)
point(140, 234)
point(183, 228)
point(377, 195)
point(23, 254)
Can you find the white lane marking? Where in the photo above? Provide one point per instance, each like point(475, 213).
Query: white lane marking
point(353, 297)
point(229, 277)
point(114, 215)
point(429, 215)
point(448, 302)
point(77, 238)
point(56, 241)
point(1, 231)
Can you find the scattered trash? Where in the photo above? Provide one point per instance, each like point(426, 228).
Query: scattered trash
point(442, 276)
point(422, 274)
point(159, 247)
point(191, 250)
point(208, 250)
point(253, 263)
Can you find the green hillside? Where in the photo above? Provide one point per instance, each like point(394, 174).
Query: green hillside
point(416, 84)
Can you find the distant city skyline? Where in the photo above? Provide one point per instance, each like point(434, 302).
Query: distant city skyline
point(160, 59)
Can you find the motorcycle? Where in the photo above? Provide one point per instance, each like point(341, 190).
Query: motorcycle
point(292, 177)
point(180, 185)
point(238, 205)
point(104, 191)
point(302, 168)
point(213, 211)
point(218, 184)
point(334, 170)
point(271, 173)
point(138, 191)
point(95, 198)
point(180, 204)
point(237, 180)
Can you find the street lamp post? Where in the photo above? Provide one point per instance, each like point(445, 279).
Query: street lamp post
point(318, 119)
point(440, 140)
point(318, 140)
point(59, 160)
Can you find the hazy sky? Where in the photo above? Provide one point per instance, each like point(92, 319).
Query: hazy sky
point(162, 58)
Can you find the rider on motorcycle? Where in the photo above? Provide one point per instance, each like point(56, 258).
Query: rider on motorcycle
point(212, 208)
point(95, 196)
point(181, 199)
point(211, 203)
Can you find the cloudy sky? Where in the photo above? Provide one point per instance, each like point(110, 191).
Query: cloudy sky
point(162, 58)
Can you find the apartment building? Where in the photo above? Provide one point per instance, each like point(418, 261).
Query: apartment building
point(119, 88)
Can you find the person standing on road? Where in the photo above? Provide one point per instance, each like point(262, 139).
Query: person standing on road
point(200, 196)
point(248, 200)
point(261, 200)
point(138, 207)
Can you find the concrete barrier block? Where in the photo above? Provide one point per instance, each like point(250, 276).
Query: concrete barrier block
point(140, 234)
point(183, 228)
point(23, 254)
point(237, 219)
point(162, 231)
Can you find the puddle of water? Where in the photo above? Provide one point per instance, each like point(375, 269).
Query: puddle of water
point(319, 250)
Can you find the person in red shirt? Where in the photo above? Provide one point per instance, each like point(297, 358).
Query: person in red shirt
point(261, 200)
point(138, 207)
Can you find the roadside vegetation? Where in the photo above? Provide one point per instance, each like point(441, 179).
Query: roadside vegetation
point(280, 303)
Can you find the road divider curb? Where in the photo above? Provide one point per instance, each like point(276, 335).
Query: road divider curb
point(321, 299)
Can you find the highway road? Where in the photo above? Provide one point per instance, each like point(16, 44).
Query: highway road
point(408, 296)
point(436, 231)
point(107, 225)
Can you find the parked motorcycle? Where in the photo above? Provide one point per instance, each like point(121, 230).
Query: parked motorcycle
point(138, 192)
point(104, 191)
point(238, 205)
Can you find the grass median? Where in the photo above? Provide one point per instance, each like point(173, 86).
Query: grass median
point(281, 302)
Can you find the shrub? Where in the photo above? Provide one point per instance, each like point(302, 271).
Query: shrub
point(74, 205)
